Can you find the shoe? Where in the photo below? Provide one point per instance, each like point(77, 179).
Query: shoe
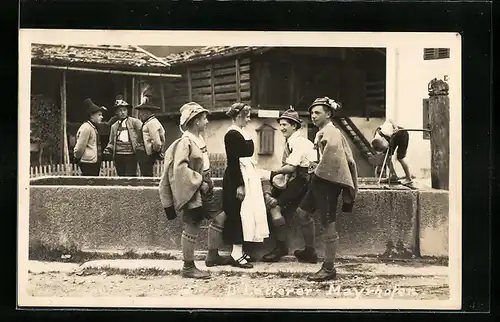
point(275, 255)
point(237, 262)
point(304, 256)
point(217, 260)
point(323, 274)
point(194, 272)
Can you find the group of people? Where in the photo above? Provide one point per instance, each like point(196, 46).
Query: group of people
point(132, 141)
point(311, 179)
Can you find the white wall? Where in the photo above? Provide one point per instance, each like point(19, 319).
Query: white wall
point(408, 75)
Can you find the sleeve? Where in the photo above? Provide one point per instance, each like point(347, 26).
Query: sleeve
point(234, 144)
point(82, 139)
point(112, 136)
point(154, 132)
point(352, 166)
point(190, 179)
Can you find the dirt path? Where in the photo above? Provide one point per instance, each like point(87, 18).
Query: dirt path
point(221, 285)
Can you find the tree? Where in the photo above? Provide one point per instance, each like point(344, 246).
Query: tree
point(45, 125)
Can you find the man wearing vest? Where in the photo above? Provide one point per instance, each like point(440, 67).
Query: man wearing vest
point(290, 182)
point(124, 140)
point(87, 150)
point(153, 138)
point(334, 175)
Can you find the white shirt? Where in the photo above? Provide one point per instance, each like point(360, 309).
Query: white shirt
point(302, 151)
point(200, 142)
point(123, 134)
point(388, 128)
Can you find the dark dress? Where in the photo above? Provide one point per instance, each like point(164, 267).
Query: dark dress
point(236, 147)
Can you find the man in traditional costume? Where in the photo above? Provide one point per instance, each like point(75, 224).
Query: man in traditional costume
point(124, 140)
point(152, 137)
point(335, 175)
point(290, 181)
point(186, 189)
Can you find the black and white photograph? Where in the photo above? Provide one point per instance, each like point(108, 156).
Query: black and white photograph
point(231, 169)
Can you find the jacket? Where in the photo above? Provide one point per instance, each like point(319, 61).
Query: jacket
point(134, 132)
point(180, 184)
point(337, 163)
point(153, 135)
point(87, 148)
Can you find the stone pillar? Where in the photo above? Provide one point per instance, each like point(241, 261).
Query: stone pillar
point(439, 119)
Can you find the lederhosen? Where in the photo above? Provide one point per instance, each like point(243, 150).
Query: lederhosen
point(296, 187)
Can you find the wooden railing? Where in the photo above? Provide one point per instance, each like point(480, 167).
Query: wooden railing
point(217, 165)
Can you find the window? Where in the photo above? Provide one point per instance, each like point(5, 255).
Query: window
point(436, 53)
point(266, 139)
point(426, 119)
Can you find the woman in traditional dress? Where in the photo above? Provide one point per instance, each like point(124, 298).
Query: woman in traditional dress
point(242, 196)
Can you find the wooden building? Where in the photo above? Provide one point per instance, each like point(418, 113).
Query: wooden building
point(67, 75)
point(272, 79)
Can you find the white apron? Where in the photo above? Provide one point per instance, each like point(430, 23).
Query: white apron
point(253, 208)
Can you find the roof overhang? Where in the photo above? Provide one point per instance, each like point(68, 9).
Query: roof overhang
point(107, 71)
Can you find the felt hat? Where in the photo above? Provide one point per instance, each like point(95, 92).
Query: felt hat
point(291, 115)
point(326, 101)
point(146, 104)
point(120, 102)
point(92, 108)
point(189, 111)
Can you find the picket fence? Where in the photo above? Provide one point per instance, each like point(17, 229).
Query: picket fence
point(217, 165)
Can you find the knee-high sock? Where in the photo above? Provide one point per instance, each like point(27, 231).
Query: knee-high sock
point(188, 240)
point(307, 228)
point(279, 224)
point(280, 229)
point(331, 240)
point(215, 231)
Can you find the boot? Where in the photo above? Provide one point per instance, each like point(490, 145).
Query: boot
point(275, 255)
point(307, 255)
point(214, 259)
point(324, 274)
point(191, 271)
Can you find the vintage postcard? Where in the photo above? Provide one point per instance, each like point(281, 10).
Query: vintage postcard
point(221, 170)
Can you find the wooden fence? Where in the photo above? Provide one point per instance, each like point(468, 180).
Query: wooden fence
point(217, 165)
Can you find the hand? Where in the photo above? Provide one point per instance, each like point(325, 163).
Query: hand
point(204, 187)
point(273, 174)
point(161, 156)
point(170, 212)
point(106, 151)
point(347, 207)
point(240, 193)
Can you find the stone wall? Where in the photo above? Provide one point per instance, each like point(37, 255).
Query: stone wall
point(131, 217)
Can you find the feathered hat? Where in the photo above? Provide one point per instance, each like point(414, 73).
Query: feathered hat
point(326, 101)
point(291, 115)
point(146, 99)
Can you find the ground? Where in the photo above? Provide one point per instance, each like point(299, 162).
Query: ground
point(62, 284)
point(152, 278)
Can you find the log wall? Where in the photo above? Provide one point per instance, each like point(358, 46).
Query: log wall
point(214, 86)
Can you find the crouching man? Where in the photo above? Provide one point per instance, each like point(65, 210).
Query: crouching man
point(290, 183)
point(186, 189)
point(335, 175)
